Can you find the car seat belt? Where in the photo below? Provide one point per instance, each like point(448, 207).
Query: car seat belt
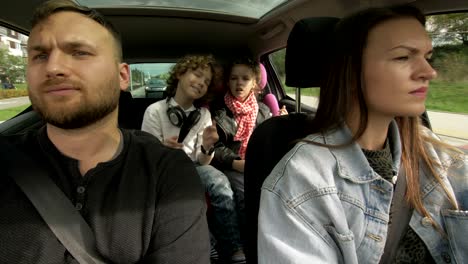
point(54, 207)
point(401, 215)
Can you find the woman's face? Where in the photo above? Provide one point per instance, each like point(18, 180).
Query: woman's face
point(241, 81)
point(396, 71)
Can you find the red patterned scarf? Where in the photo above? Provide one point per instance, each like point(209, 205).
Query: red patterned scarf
point(245, 114)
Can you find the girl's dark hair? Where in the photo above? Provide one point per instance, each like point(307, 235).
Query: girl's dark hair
point(251, 64)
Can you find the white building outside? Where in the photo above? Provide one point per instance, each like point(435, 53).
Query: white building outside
point(14, 41)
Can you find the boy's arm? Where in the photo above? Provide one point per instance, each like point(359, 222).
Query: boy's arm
point(152, 122)
point(206, 138)
point(210, 137)
point(205, 159)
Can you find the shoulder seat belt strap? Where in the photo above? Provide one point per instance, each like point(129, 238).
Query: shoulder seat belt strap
point(54, 207)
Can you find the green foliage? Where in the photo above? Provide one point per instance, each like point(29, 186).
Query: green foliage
point(6, 114)
point(451, 62)
point(21, 86)
point(449, 28)
point(278, 59)
point(448, 96)
point(12, 66)
point(304, 92)
point(138, 76)
point(10, 93)
point(163, 76)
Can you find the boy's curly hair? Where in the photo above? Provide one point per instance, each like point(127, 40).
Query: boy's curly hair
point(189, 62)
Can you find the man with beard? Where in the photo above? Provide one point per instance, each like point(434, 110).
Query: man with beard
point(142, 201)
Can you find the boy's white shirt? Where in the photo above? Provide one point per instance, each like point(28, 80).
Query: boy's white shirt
point(156, 122)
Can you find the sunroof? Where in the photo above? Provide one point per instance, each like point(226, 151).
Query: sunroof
point(245, 8)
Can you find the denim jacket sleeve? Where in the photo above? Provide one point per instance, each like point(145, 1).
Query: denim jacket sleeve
point(451, 245)
point(291, 244)
point(326, 205)
point(302, 218)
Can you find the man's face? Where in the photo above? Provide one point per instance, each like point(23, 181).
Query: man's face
point(73, 74)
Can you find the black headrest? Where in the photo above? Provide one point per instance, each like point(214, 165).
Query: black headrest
point(307, 51)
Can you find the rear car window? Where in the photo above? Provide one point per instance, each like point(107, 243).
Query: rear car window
point(149, 80)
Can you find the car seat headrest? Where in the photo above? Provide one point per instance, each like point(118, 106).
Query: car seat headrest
point(307, 51)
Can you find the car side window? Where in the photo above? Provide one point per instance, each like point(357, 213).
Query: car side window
point(149, 80)
point(447, 102)
point(13, 58)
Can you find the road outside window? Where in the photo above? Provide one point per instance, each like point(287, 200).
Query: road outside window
point(148, 80)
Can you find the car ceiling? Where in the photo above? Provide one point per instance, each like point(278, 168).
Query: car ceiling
point(166, 34)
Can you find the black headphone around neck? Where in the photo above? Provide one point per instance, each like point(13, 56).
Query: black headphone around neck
point(177, 115)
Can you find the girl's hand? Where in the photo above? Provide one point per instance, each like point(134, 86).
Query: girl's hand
point(283, 111)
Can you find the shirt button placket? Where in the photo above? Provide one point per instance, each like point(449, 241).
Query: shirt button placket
point(80, 190)
point(78, 206)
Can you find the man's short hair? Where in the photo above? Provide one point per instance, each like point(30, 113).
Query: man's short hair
point(48, 8)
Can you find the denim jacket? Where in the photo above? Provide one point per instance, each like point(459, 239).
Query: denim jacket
point(327, 205)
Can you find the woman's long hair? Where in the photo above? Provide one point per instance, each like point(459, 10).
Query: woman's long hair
point(342, 88)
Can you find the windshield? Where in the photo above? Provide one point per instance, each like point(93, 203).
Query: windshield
point(157, 82)
point(246, 8)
